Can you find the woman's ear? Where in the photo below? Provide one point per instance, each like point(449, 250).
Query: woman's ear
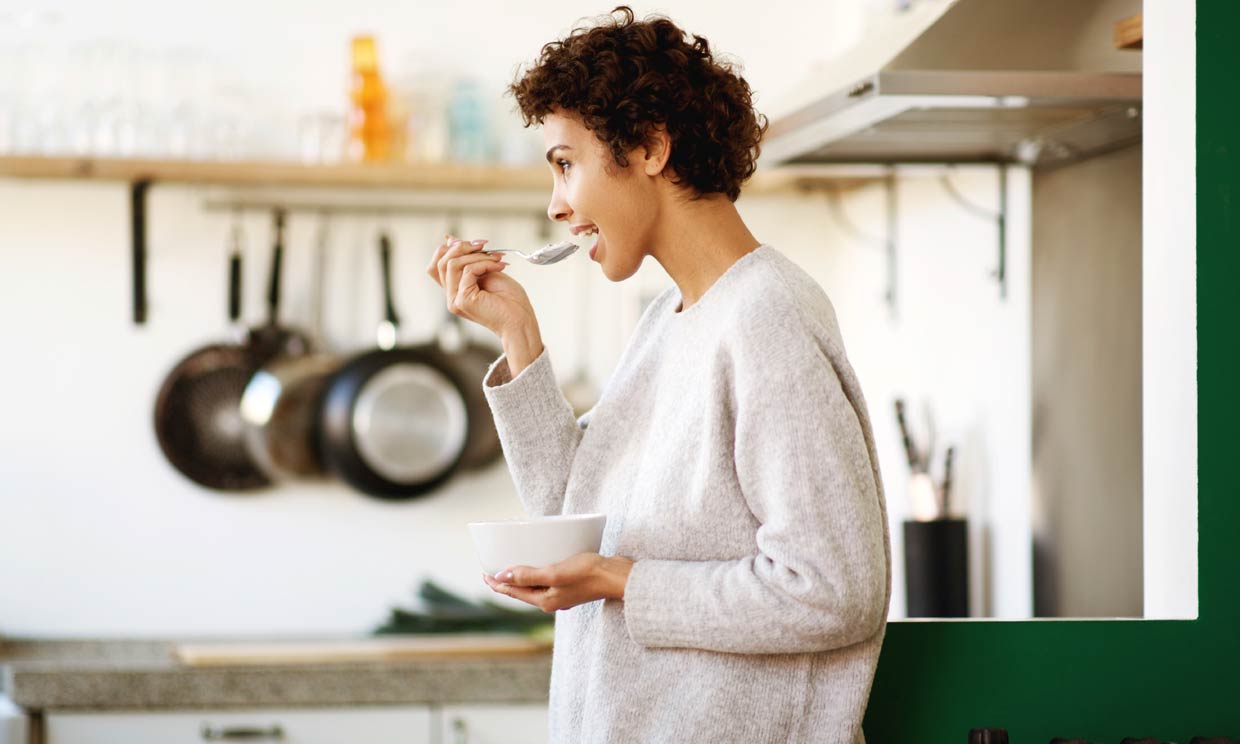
point(658, 150)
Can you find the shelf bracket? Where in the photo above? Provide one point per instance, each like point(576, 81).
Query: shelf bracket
point(888, 243)
point(999, 217)
point(137, 232)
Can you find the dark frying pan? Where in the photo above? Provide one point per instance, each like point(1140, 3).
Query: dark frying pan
point(273, 339)
point(472, 359)
point(280, 406)
point(197, 418)
point(393, 422)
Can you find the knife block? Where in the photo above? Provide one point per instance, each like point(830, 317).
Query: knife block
point(936, 567)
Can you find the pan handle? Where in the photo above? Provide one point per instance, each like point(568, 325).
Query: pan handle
point(277, 259)
point(391, 322)
point(234, 287)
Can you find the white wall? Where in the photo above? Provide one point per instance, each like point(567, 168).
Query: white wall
point(99, 536)
point(102, 537)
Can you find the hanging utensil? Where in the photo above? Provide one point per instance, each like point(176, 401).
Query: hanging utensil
point(471, 360)
point(273, 339)
point(394, 420)
point(946, 488)
point(910, 450)
point(197, 423)
point(280, 405)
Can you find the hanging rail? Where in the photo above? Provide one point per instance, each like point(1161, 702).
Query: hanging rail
point(379, 209)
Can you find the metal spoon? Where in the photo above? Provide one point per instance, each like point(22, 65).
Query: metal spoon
point(548, 254)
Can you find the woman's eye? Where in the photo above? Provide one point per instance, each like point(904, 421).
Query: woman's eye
point(563, 164)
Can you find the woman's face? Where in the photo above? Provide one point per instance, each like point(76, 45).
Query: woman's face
point(590, 189)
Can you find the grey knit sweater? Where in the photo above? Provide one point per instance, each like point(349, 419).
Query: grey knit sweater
point(733, 455)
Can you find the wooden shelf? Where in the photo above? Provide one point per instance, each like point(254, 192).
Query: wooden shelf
point(1129, 32)
point(274, 173)
point(425, 176)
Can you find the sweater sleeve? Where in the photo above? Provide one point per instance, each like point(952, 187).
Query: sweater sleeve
point(537, 431)
point(817, 578)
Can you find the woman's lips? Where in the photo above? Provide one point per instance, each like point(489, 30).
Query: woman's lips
point(594, 248)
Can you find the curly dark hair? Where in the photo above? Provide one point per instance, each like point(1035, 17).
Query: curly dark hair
point(626, 79)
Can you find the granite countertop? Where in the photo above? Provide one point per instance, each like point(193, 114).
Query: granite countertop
point(107, 674)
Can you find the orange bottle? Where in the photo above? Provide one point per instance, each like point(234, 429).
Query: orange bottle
point(369, 133)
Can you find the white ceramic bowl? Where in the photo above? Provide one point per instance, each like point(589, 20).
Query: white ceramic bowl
point(536, 541)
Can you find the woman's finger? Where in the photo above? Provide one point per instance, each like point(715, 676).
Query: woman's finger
point(528, 576)
point(432, 267)
point(454, 273)
point(455, 249)
point(468, 287)
point(451, 250)
point(539, 598)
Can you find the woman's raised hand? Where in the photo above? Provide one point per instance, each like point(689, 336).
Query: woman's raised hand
point(475, 289)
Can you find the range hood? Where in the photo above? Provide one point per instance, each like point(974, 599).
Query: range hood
point(1037, 82)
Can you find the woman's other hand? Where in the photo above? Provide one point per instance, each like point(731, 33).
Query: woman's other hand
point(476, 289)
point(585, 577)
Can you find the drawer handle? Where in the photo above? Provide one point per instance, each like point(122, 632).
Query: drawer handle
point(238, 733)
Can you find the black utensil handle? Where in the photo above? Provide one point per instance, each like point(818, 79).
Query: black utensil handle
point(277, 260)
point(385, 257)
point(137, 200)
point(910, 451)
point(947, 478)
point(234, 287)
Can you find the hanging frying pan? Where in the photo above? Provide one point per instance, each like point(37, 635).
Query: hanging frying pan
point(273, 339)
point(280, 405)
point(393, 422)
point(197, 417)
point(471, 359)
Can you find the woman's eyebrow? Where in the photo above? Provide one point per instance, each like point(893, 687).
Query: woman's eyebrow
point(554, 148)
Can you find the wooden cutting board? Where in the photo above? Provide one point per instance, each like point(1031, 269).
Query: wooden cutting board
point(387, 648)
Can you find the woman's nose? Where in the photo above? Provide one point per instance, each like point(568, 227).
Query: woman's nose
point(557, 210)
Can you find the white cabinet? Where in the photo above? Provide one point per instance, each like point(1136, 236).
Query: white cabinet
point(523, 723)
point(14, 728)
point(493, 724)
point(368, 725)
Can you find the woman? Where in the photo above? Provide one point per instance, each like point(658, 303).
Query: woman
point(742, 587)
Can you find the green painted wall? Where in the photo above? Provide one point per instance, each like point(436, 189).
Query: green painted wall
point(1104, 680)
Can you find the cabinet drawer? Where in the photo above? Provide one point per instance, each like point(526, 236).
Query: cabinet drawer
point(373, 725)
point(493, 724)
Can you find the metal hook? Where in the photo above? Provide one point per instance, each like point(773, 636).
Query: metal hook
point(834, 201)
point(887, 243)
point(1000, 218)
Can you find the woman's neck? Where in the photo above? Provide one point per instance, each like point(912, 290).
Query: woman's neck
point(698, 241)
